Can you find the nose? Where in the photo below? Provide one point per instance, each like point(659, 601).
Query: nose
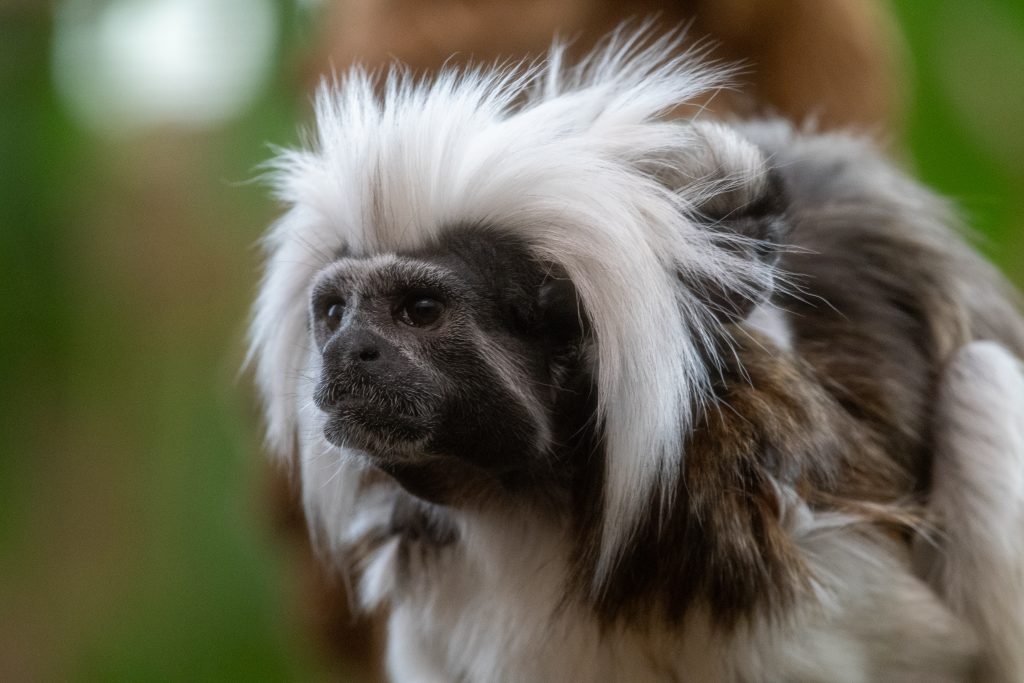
point(355, 361)
point(358, 345)
point(364, 346)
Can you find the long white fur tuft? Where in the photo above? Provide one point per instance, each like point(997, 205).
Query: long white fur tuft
point(978, 500)
point(560, 156)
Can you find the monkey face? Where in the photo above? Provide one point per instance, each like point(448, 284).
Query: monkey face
point(445, 366)
point(372, 321)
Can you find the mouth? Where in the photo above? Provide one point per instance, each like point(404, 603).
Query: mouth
point(358, 422)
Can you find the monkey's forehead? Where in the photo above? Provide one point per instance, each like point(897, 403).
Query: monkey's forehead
point(381, 273)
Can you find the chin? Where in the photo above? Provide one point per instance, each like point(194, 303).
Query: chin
point(580, 391)
point(383, 440)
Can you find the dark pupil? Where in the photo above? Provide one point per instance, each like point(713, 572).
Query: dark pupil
point(424, 311)
point(335, 312)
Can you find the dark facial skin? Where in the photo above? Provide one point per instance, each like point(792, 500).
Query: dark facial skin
point(445, 365)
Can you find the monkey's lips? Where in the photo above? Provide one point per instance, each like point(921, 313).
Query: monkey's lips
point(359, 422)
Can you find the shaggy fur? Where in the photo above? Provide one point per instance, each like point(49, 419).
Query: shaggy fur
point(676, 416)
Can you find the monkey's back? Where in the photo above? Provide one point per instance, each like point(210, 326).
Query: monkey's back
point(883, 288)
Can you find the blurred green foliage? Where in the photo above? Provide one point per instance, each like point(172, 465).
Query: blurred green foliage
point(966, 126)
point(134, 539)
point(132, 543)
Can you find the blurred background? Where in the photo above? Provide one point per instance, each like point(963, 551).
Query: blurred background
point(143, 535)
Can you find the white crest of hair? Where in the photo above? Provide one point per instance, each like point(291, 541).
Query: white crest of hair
point(561, 157)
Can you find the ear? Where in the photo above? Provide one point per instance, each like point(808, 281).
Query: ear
point(560, 311)
point(742, 203)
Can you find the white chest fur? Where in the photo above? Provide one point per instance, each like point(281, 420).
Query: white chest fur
point(493, 608)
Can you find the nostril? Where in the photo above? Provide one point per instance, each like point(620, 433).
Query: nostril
point(357, 346)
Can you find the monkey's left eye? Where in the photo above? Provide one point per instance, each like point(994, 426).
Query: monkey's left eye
point(421, 310)
point(333, 312)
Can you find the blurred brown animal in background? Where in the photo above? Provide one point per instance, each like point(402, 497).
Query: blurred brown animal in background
point(838, 62)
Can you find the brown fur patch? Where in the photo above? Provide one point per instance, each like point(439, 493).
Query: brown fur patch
point(723, 541)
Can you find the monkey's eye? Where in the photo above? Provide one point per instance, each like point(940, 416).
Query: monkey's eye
point(333, 313)
point(420, 310)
